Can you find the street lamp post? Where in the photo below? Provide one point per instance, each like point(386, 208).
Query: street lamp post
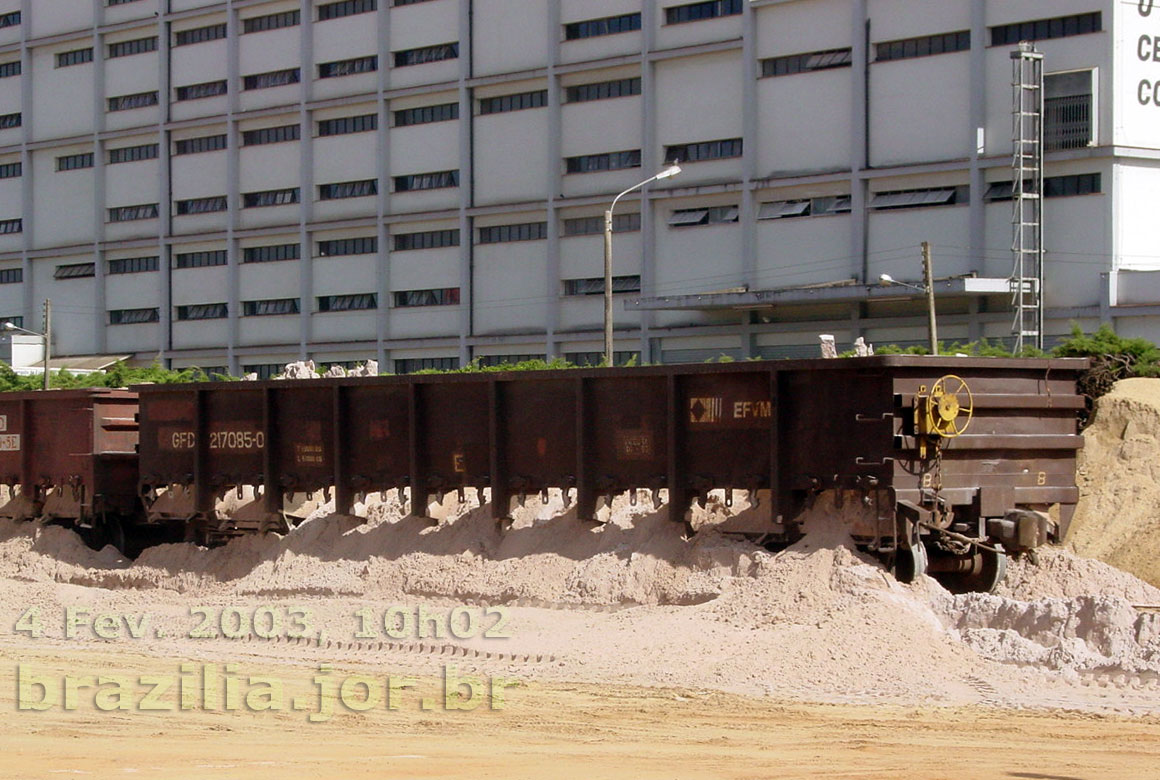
point(928, 290)
point(8, 326)
point(672, 170)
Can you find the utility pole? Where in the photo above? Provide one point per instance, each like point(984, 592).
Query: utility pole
point(609, 359)
point(928, 282)
point(47, 337)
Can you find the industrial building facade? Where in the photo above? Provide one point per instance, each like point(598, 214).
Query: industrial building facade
point(238, 184)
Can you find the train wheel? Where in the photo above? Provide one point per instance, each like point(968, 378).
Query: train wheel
point(980, 572)
point(106, 529)
point(910, 562)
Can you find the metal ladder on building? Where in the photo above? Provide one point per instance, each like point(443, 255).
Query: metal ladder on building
point(1026, 281)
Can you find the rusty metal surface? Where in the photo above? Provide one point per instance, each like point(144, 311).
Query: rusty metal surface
point(792, 427)
point(80, 444)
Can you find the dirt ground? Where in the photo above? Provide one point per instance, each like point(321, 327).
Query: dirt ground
point(552, 730)
point(557, 649)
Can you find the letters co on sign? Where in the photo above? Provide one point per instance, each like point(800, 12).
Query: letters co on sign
point(1148, 51)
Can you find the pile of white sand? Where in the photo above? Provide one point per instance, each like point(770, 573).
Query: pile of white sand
point(1118, 517)
point(818, 613)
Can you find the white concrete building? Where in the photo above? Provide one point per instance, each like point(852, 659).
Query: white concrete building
point(241, 183)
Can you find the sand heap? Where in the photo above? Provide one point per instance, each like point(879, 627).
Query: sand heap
point(546, 556)
point(817, 610)
point(1118, 518)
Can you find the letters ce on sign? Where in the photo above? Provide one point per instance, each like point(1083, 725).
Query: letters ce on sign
point(9, 442)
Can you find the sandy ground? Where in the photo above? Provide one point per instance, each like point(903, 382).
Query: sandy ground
point(623, 650)
point(559, 731)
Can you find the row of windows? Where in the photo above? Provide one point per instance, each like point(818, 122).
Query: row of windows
point(1053, 187)
point(433, 239)
point(271, 135)
point(609, 161)
point(602, 90)
point(695, 12)
point(446, 296)
point(714, 215)
point(923, 46)
point(609, 25)
point(11, 275)
point(330, 70)
point(326, 303)
point(1059, 186)
point(270, 307)
point(129, 48)
point(426, 114)
point(75, 271)
point(703, 150)
point(134, 265)
point(205, 89)
point(120, 265)
point(65, 59)
point(134, 316)
point(805, 63)
point(363, 123)
point(595, 286)
point(808, 207)
point(271, 254)
point(132, 213)
point(426, 181)
point(201, 259)
point(271, 22)
point(8, 69)
point(528, 231)
point(137, 100)
point(201, 205)
point(348, 189)
point(424, 54)
point(11, 170)
point(517, 102)
point(10, 19)
point(282, 197)
point(211, 32)
point(274, 78)
point(133, 153)
point(205, 143)
point(72, 162)
point(587, 226)
point(428, 239)
point(346, 125)
point(1047, 29)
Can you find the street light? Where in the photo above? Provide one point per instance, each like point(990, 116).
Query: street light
point(887, 279)
point(927, 288)
point(8, 326)
point(672, 170)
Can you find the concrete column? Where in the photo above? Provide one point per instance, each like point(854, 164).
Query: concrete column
point(651, 155)
point(383, 165)
point(860, 151)
point(234, 82)
point(554, 183)
point(466, 185)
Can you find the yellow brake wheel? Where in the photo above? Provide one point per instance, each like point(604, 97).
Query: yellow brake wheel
point(951, 407)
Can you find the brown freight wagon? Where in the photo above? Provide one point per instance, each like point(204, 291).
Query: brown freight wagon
point(70, 456)
point(947, 461)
